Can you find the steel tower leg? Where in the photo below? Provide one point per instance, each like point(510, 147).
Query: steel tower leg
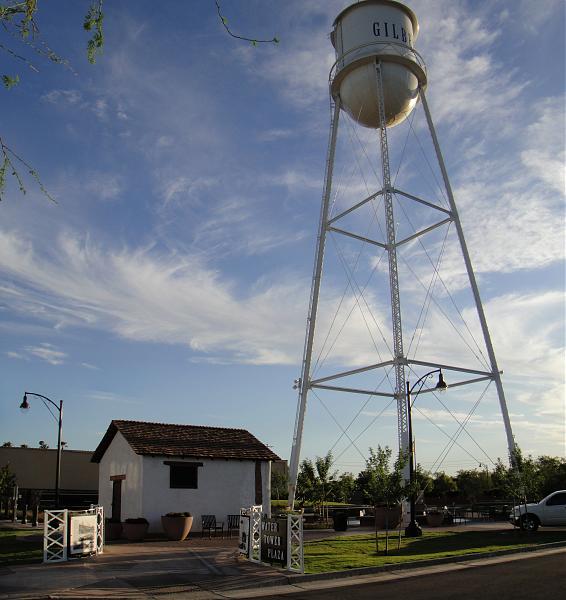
point(304, 382)
point(399, 357)
point(472, 278)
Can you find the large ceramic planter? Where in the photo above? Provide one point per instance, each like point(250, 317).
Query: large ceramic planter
point(135, 532)
point(434, 519)
point(176, 528)
point(112, 530)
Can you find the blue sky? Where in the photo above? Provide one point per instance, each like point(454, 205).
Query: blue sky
point(170, 282)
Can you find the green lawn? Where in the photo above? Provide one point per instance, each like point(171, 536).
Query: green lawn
point(351, 552)
point(19, 546)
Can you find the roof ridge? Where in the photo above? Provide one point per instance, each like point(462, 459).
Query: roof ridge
point(179, 425)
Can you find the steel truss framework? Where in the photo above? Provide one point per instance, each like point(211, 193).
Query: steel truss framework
point(399, 361)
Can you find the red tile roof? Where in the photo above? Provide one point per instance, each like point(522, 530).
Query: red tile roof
point(164, 439)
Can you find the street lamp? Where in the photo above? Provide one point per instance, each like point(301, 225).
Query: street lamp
point(25, 406)
point(413, 529)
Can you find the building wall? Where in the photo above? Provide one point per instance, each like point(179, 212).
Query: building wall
point(35, 468)
point(120, 459)
point(224, 486)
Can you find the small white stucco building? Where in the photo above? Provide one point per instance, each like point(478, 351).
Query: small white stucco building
point(150, 469)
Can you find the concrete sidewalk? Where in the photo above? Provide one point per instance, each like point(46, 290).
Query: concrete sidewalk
point(196, 569)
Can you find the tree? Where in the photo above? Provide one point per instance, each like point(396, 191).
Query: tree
point(7, 445)
point(422, 481)
point(551, 472)
point(343, 488)
point(385, 484)
point(279, 485)
point(471, 483)
point(7, 480)
point(43, 445)
point(324, 479)
point(315, 481)
point(18, 20)
point(442, 486)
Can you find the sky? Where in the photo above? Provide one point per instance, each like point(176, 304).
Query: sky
point(170, 281)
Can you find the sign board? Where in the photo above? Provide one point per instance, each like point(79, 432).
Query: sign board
point(82, 534)
point(244, 535)
point(274, 540)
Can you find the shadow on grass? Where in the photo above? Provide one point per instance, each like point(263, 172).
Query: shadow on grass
point(360, 550)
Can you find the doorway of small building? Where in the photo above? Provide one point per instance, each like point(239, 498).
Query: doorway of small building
point(117, 497)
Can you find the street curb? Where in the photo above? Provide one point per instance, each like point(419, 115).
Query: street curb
point(409, 566)
point(293, 579)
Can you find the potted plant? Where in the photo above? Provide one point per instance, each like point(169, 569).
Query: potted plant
point(112, 529)
point(177, 525)
point(135, 530)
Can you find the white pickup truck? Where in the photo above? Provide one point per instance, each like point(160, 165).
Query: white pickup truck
point(549, 511)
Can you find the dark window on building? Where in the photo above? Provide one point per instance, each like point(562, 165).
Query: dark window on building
point(183, 474)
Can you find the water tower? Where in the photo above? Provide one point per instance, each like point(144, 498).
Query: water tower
point(378, 79)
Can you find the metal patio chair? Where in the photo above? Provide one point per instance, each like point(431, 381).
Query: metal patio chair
point(210, 524)
point(233, 524)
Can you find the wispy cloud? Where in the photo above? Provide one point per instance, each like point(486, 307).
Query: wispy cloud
point(111, 397)
point(48, 353)
point(90, 366)
point(16, 355)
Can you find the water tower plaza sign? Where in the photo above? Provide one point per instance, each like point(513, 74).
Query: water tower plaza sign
point(274, 540)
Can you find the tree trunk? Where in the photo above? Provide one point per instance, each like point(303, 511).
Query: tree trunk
point(376, 538)
point(387, 531)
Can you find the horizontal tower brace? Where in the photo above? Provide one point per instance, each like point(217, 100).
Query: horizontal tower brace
point(423, 231)
point(357, 237)
point(457, 384)
point(423, 363)
point(351, 390)
point(356, 206)
point(353, 372)
point(417, 199)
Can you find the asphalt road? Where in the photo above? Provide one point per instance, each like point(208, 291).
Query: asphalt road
point(530, 579)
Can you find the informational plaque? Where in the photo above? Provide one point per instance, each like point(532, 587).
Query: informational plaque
point(82, 534)
point(274, 540)
point(244, 535)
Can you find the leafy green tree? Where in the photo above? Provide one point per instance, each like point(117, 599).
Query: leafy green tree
point(7, 480)
point(23, 39)
point(279, 485)
point(471, 484)
point(325, 478)
point(423, 481)
point(442, 486)
point(343, 488)
point(315, 481)
point(551, 472)
point(306, 482)
point(385, 484)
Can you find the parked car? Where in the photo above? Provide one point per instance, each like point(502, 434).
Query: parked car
point(549, 511)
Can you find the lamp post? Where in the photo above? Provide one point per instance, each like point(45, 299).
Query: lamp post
point(25, 406)
point(413, 529)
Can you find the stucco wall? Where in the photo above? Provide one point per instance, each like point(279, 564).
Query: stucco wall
point(224, 486)
point(120, 459)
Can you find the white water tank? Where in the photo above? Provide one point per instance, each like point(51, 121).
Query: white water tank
point(367, 31)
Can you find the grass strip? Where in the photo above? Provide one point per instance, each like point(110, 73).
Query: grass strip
point(352, 552)
point(20, 546)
